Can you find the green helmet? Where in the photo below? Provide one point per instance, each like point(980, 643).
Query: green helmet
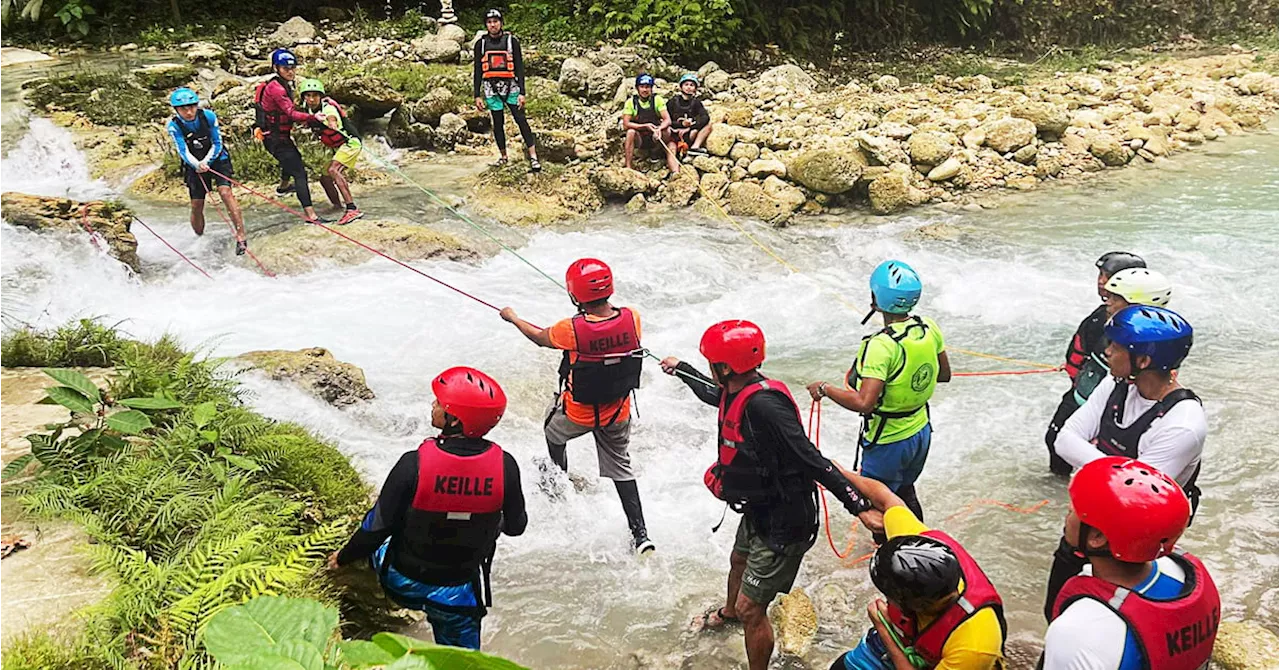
point(310, 86)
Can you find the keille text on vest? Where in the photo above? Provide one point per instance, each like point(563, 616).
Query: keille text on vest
point(604, 344)
point(1189, 637)
point(464, 486)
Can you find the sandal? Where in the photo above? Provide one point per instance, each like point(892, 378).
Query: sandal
point(501, 162)
point(534, 165)
point(705, 621)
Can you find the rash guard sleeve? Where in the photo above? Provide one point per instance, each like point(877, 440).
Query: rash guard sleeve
point(519, 60)
point(773, 418)
point(706, 390)
point(1074, 443)
point(215, 133)
point(476, 73)
point(387, 515)
point(180, 143)
point(514, 517)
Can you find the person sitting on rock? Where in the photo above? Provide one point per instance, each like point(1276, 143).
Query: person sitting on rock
point(942, 610)
point(690, 122)
point(646, 120)
point(499, 73)
point(432, 535)
point(206, 163)
point(336, 133)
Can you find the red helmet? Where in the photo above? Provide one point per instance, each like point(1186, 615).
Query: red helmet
point(471, 396)
point(588, 280)
point(736, 343)
point(1141, 511)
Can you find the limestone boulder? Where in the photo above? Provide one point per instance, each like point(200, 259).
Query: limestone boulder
point(764, 167)
point(946, 170)
point(892, 192)
point(575, 76)
point(1245, 645)
point(882, 150)
point(294, 31)
point(110, 222)
point(452, 128)
point(788, 76)
point(371, 93)
point(432, 49)
point(314, 370)
point(831, 171)
point(681, 188)
point(164, 76)
point(717, 81)
point(1010, 134)
point(303, 248)
point(1110, 150)
point(750, 199)
point(557, 146)
point(620, 182)
point(721, 140)
point(744, 150)
point(886, 83)
point(603, 81)
point(796, 622)
point(451, 31)
point(783, 192)
point(930, 148)
point(1048, 118)
point(206, 53)
point(1256, 83)
point(714, 184)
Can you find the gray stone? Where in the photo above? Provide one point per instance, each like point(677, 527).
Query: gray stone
point(451, 128)
point(575, 74)
point(294, 31)
point(827, 170)
point(432, 49)
point(791, 77)
point(451, 31)
point(886, 82)
point(1010, 134)
point(946, 170)
point(603, 81)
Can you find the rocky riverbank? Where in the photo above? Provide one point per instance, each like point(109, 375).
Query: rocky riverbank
point(788, 140)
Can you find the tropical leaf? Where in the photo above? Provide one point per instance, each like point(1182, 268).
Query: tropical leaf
point(242, 462)
point(129, 422)
point(204, 413)
point(151, 403)
point(70, 398)
point(17, 465)
point(238, 635)
point(363, 654)
point(76, 381)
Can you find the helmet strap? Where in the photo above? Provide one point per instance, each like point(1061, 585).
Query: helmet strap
point(870, 313)
point(1081, 548)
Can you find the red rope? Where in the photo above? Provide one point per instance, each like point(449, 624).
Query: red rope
point(217, 204)
point(84, 222)
point(994, 373)
point(171, 248)
point(362, 245)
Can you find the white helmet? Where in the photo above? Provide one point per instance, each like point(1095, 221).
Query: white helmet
point(1140, 286)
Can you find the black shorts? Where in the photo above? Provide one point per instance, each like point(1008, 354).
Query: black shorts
point(686, 134)
point(199, 184)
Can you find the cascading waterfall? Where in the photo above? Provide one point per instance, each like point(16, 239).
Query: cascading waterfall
point(570, 593)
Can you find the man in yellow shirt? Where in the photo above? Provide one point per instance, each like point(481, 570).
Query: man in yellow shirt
point(942, 611)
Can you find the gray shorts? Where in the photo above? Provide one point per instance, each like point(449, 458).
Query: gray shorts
point(612, 443)
point(768, 572)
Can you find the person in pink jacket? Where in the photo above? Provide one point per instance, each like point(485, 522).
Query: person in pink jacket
point(276, 114)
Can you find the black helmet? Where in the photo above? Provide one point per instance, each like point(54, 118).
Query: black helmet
point(915, 571)
point(493, 14)
point(1115, 261)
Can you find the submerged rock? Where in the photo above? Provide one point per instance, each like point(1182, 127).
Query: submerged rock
point(795, 621)
point(1244, 645)
point(109, 220)
point(305, 248)
point(621, 182)
point(316, 371)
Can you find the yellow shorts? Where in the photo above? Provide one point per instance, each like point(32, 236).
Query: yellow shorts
point(348, 153)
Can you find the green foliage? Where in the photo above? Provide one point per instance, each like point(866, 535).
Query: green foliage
point(551, 108)
point(109, 98)
point(201, 508)
point(82, 343)
point(679, 26)
point(253, 163)
point(406, 26)
point(72, 15)
point(272, 632)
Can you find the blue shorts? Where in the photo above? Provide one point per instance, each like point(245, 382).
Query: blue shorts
point(897, 464)
point(870, 654)
point(449, 627)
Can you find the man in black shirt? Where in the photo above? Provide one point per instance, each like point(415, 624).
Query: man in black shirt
point(1086, 360)
point(690, 122)
point(767, 470)
point(432, 534)
point(498, 82)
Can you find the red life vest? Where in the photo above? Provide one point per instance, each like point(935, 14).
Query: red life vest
point(608, 359)
point(738, 477)
point(1172, 634)
point(458, 486)
point(978, 594)
point(274, 121)
point(330, 137)
point(497, 64)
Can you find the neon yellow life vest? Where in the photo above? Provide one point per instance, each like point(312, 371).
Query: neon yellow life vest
point(903, 407)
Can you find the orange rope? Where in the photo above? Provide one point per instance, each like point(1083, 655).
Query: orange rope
point(993, 373)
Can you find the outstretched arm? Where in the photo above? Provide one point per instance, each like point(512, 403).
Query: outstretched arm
point(702, 386)
point(536, 335)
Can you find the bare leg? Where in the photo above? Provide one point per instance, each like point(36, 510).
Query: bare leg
point(737, 566)
point(758, 632)
point(629, 148)
point(310, 212)
point(330, 189)
point(197, 216)
point(668, 138)
point(701, 137)
point(233, 208)
point(340, 180)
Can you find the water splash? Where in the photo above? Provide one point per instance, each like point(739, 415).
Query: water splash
point(47, 162)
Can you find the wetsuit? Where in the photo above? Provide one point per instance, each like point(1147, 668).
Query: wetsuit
point(200, 141)
point(498, 76)
point(277, 114)
point(434, 574)
point(1087, 348)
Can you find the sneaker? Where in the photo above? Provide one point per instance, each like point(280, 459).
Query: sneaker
point(241, 247)
point(535, 165)
point(643, 544)
point(286, 189)
point(349, 216)
point(698, 151)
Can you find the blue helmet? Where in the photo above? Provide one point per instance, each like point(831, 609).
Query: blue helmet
point(689, 76)
point(283, 58)
point(895, 287)
point(183, 96)
point(1151, 331)
point(644, 80)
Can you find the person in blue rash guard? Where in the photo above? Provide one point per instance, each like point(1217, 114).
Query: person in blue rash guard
point(432, 534)
point(206, 163)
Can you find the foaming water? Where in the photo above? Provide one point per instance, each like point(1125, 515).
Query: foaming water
point(46, 162)
point(569, 593)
